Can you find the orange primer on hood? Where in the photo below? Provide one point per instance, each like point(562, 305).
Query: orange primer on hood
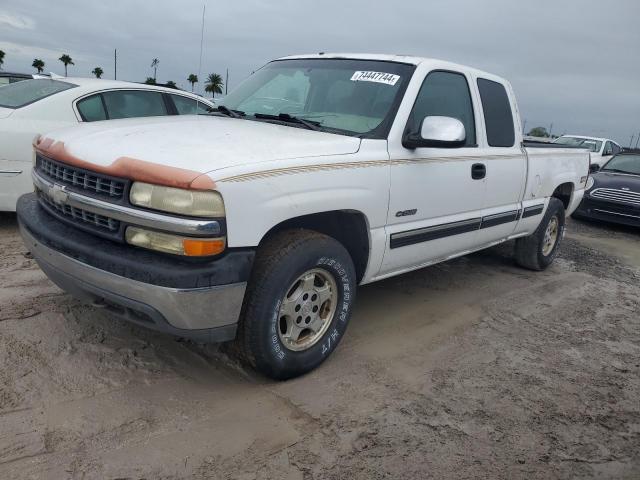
point(132, 168)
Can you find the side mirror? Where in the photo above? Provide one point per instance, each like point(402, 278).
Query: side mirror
point(594, 167)
point(442, 132)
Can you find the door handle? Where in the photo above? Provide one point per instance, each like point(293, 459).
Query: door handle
point(478, 171)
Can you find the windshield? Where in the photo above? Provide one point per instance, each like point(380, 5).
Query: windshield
point(588, 143)
point(352, 97)
point(20, 94)
point(624, 164)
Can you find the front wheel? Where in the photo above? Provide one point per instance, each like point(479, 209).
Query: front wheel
point(298, 303)
point(538, 250)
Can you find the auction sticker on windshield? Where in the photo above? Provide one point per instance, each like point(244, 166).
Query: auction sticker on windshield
point(377, 77)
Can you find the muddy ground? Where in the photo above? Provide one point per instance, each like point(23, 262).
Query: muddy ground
point(470, 369)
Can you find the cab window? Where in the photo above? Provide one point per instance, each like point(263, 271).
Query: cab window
point(498, 118)
point(445, 94)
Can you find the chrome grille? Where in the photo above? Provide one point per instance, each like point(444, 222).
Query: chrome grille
point(616, 195)
point(82, 216)
point(79, 178)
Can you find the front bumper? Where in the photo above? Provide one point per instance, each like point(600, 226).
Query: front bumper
point(608, 211)
point(202, 302)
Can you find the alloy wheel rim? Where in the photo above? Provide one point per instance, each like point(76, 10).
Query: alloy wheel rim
point(550, 236)
point(307, 309)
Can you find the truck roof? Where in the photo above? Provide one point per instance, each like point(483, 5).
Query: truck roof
point(410, 59)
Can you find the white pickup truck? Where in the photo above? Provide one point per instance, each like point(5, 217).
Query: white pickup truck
point(317, 174)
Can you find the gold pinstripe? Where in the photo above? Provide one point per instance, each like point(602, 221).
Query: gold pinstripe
point(360, 164)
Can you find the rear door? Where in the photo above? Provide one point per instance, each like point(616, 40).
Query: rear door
point(435, 203)
point(505, 160)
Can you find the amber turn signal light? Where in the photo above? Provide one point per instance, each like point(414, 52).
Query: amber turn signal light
point(194, 247)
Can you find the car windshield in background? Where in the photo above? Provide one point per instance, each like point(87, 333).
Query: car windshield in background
point(20, 94)
point(352, 97)
point(624, 164)
point(588, 143)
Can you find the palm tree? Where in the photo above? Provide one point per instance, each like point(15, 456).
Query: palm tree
point(150, 81)
point(1, 59)
point(38, 65)
point(214, 84)
point(97, 72)
point(66, 59)
point(154, 65)
point(192, 79)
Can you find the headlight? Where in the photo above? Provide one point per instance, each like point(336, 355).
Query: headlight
point(197, 203)
point(164, 242)
point(590, 182)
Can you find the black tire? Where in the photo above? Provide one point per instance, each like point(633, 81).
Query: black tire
point(279, 262)
point(529, 251)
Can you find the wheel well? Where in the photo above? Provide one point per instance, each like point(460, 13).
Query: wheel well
point(563, 193)
point(350, 228)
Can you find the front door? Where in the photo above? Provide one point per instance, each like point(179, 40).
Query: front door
point(435, 202)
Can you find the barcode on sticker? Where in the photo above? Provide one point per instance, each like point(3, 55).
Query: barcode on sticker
point(377, 77)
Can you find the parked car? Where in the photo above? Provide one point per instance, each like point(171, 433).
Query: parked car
point(613, 193)
point(316, 174)
point(603, 148)
point(32, 107)
point(13, 77)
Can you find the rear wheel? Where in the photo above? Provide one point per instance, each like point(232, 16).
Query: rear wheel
point(538, 250)
point(298, 303)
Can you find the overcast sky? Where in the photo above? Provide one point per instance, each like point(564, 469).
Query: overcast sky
point(575, 63)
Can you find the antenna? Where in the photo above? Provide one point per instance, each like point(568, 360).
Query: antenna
point(201, 43)
point(226, 84)
point(115, 64)
point(637, 140)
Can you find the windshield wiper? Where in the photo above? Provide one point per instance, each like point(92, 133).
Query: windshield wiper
point(228, 112)
point(285, 117)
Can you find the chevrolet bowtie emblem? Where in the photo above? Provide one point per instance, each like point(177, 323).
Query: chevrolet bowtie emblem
point(58, 194)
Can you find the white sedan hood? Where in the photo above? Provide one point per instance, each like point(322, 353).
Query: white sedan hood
point(197, 143)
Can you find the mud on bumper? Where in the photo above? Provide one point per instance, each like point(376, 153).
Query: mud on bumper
point(201, 301)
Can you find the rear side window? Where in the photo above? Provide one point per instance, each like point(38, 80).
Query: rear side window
point(134, 103)
point(20, 94)
point(92, 109)
point(445, 94)
point(497, 113)
point(188, 106)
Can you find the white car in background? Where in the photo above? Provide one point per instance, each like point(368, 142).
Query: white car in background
point(33, 107)
point(603, 148)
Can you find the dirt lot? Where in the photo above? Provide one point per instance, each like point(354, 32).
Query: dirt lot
point(469, 369)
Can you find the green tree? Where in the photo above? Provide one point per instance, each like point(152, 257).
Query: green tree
point(150, 81)
point(154, 64)
point(97, 72)
point(171, 84)
point(538, 132)
point(38, 65)
point(214, 84)
point(67, 60)
point(192, 79)
point(1, 59)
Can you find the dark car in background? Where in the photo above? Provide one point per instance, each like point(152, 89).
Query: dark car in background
point(613, 192)
point(13, 77)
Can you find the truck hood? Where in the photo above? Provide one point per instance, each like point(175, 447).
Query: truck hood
point(5, 112)
point(171, 146)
